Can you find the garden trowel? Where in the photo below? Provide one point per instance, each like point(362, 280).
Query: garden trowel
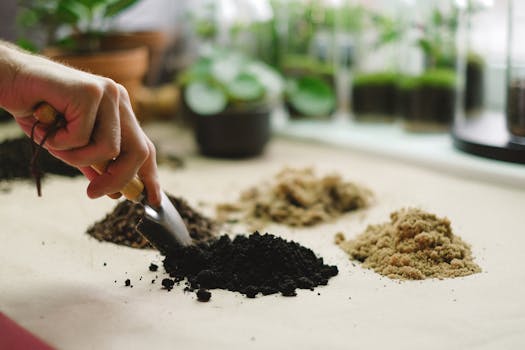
point(163, 227)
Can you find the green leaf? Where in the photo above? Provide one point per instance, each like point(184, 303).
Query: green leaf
point(204, 98)
point(268, 76)
point(27, 18)
point(67, 43)
point(27, 45)
point(118, 6)
point(226, 66)
point(90, 4)
point(200, 70)
point(425, 45)
point(311, 96)
point(437, 17)
point(70, 12)
point(245, 87)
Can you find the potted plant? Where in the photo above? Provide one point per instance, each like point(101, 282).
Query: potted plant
point(306, 59)
point(228, 98)
point(76, 34)
point(156, 41)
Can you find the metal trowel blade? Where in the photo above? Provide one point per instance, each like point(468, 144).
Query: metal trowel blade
point(164, 227)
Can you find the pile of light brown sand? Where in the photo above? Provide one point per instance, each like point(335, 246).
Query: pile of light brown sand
point(297, 197)
point(413, 245)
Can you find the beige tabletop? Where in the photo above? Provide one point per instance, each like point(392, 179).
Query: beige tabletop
point(53, 280)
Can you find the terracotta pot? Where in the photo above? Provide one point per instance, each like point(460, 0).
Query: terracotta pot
point(156, 42)
point(126, 67)
point(158, 103)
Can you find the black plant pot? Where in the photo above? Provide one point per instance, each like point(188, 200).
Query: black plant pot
point(233, 133)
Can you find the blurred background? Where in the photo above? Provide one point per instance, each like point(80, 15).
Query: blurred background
point(235, 72)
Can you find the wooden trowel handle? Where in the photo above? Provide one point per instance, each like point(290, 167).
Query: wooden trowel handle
point(46, 114)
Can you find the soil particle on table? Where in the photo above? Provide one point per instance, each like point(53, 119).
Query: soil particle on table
point(413, 245)
point(153, 267)
point(15, 159)
point(168, 283)
point(119, 226)
point(203, 295)
point(249, 265)
point(296, 197)
point(127, 283)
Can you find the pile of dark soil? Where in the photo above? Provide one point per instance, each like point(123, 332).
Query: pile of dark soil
point(15, 159)
point(248, 264)
point(119, 226)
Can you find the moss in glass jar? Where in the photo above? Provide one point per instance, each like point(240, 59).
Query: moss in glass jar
point(433, 101)
point(374, 96)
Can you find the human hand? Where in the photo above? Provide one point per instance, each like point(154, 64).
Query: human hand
point(100, 123)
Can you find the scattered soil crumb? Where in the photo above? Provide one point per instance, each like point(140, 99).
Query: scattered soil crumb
point(153, 267)
point(296, 197)
point(414, 245)
point(168, 283)
point(339, 238)
point(203, 295)
point(127, 283)
point(119, 226)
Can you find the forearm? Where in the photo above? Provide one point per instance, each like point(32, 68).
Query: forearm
point(8, 68)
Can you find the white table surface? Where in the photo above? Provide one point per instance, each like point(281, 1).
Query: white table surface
point(53, 282)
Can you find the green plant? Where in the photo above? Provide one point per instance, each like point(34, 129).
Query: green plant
point(376, 78)
point(231, 79)
point(407, 82)
point(310, 96)
point(390, 30)
point(82, 21)
point(203, 21)
point(438, 78)
point(437, 37)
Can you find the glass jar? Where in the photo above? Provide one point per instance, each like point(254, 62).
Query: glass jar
point(247, 26)
point(374, 85)
point(515, 101)
point(433, 93)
